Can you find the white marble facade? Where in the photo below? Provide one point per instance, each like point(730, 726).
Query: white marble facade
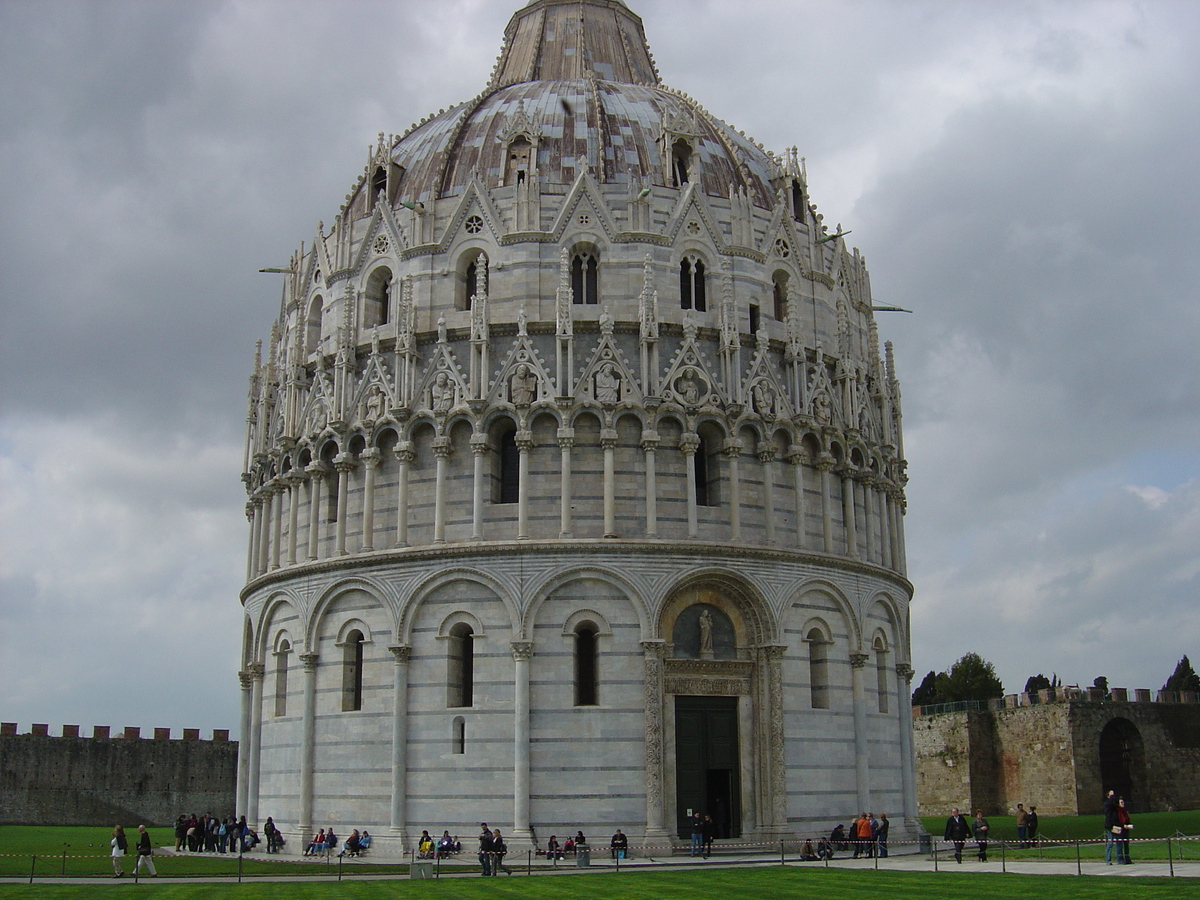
point(576, 481)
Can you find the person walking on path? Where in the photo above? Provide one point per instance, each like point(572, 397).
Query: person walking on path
point(957, 832)
point(120, 847)
point(981, 834)
point(485, 848)
point(144, 851)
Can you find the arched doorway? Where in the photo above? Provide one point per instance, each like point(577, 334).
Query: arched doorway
point(1122, 762)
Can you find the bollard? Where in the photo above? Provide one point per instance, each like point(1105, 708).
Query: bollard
point(64, 860)
point(1170, 859)
point(528, 862)
point(339, 867)
point(32, 866)
point(1078, 864)
point(781, 853)
point(1003, 861)
point(239, 864)
point(935, 850)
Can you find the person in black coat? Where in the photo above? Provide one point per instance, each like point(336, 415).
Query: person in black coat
point(957, 832)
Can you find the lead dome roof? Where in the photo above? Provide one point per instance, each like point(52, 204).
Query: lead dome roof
point(578, 73)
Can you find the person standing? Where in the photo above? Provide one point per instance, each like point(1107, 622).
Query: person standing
point(120, 847)
point(697, 835)
point(1112, 829)
point(710, 832)
point(881, 836)
point(1032, 826)
point(981, 834)
point(1022, 825)
point(144, 853)
point(485, 848)
point(1126, 828)
point(957, 832)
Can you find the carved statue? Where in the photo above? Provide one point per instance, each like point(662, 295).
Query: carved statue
point(705, 624)
point(608, 384)
point(821, 407)
point(441, 394)
point(523, 386)
point(764, 400)
point(689, 388)
point(374, 404)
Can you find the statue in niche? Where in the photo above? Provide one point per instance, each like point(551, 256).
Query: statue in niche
point(441, 394)
point(523, 386)
point(764, 400)
point(821, 408)
point(606, 322)
point(705, 624)
point(688, 388)
point(608, 384)
point(374, 404)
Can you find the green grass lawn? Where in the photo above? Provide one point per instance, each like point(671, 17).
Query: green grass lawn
point(773, 883)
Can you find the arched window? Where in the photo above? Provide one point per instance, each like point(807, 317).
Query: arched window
point(818, 668)
point(281, 678)
point(378, 186)
point(377, 301)
point(508, 474)
point(681, 161)
point(460, 666)
point(881, 673)
point(585, 279)
point(586, 653)
point(780, 292)
point(472, 276)
point(312, 342)
point(691, 284)
point(458, 736)
point(706, 472)
point(518, 160)
point(352, 671)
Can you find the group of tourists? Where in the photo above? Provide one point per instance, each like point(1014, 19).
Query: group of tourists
point(325, 842)
point(208, 834)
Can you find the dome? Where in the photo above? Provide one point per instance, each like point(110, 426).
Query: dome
point(575, 482)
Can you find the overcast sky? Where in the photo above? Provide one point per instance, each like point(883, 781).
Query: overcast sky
point(1021, 175)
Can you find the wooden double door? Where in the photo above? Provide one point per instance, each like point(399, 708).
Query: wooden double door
point(707, 764)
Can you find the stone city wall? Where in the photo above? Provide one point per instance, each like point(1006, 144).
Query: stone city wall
point(108, 778)
point(1045, 750)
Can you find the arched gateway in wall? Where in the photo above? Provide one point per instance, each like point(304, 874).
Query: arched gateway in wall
point(576, 488)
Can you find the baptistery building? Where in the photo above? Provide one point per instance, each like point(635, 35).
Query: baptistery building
point(576, 480)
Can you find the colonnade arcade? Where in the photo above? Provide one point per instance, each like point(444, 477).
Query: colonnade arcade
point(665, 476)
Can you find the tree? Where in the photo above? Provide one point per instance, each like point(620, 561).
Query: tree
point(1038, 682)
point(1184, 678)
point(971, 678)
point(1102, 683)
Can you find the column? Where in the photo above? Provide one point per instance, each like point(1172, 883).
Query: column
point(566, 440)
point(733, 451)
point(904, 673)
point(848, 512)
point(608, 442)
point(825, 464)
point(343, 464)
point(522, 651)
point(649, 447)
point(885, 529)
point(766, 459)
point(243, 766)
point(796, 458)
point(689, 443)
point(400, 657)
point(309, 661)
point(277, 491)
point(252, 548)
point(772, 659)
point(862, 771)
point(442, 451)
point(524, 442)
point(479, 448)
point(404, 458)
point(316, 477)
point(264, 530)
point(868, 480)
point(656, 830)
point(256, 689)
point(294, 480)
point(370, 460)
